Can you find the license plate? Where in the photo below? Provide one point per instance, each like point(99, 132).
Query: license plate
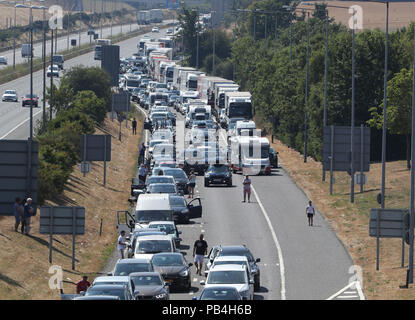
point(169, 281)
point(217, 180)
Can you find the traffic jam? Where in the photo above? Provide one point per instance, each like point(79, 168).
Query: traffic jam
point(197, 128)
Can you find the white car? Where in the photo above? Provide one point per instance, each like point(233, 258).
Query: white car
point(10, 95)
point(232, 275)
point(155, 29)
point(53, 70)
point(147, 246)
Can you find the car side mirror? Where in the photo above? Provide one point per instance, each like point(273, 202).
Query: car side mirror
point(194, 298)
point(258, 260)
point(190, 264)
point(82, 293)
point(251, 281)
point(166, 284)
point(179, 232)
point(202, 282)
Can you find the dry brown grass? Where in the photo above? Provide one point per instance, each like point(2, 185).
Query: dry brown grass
point(350, 221)
point(24, 260)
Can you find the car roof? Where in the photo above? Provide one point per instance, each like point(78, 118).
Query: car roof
point(162, 177)
point(111, 278)
point(155, 237)
point(108, 286)
point(97, 297)
point(227, 267)
point(133, 260)
point(168, 254)
point(161, 222)
point(136, 274)
point(231, 258)
point(233, 248)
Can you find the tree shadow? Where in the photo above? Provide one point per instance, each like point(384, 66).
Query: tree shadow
point(46, 243)
point(5, 236)
point(10, 281)
point(67, 188)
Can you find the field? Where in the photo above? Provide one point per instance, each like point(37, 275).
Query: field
point(24, 261)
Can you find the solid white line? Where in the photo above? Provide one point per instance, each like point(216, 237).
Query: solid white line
point(277, 244)
point(34, 115)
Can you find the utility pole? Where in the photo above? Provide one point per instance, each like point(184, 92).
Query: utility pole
point(325, 79)
point(352, 120)
point(51, 77)
point(306, 87)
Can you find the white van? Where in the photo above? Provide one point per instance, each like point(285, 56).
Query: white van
point(152, 207)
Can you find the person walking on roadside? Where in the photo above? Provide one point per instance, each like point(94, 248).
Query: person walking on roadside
point(247, 188)
point(134, 123)
point(310, 212)
point(21, 210)
point(121, 244)
point(82, 285)
point(142, 153)
point(192, 184)
point(28, 213)
point(199, 252)
point(142, 173)
point(17, 214)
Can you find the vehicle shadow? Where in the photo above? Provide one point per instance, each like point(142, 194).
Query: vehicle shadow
point(184, 247)
point(258, 297)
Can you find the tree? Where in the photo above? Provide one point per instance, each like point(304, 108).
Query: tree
point(399, 108)
point(189, 23)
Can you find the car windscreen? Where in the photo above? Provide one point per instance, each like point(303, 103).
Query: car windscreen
point(124, 269)
point(99, 291)
point(153, 246)
point(219, 294)
point(217, 263)
point(218, 169)
point(167, 260)
point(167, 228)
point(162, 188)
point(146, 280)
point(159, 179)
point(153, 215)
point(227, 277)
point(153, 143)
point(177, 174)
point(177, 202)
point(133, 83)
point(237, 252)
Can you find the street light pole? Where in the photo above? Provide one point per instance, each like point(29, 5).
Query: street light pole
point(325, 80)
point(51, 77)
point(276, 30)
point(214, 46)
point(14, 40)
point(102, 14)
point(44, 72)
point(353, 115)
point(197, 45)
point(306, 88)
point(67, 42)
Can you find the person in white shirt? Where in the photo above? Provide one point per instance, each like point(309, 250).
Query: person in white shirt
point(310, 212)
point(121, 244)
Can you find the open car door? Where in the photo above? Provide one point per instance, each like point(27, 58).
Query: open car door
point(148, 126)
point(195, 208)
point(125, 222)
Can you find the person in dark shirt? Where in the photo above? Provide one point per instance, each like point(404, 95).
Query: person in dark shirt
point(199, 252)
point(134, 126)
point(82, 285)
point(28, 213)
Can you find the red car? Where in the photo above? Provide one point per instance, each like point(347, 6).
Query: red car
point(26, 100)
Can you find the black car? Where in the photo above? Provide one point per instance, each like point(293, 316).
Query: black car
point(117, 290)
point(174, 269)
point(218, 174)
point(147, 286)
point(179, 176)
point(242, 250)
point(183, 211)
point(134, 94)
point(273, 157)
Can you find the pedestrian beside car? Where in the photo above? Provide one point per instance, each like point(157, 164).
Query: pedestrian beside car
point(199, 252)
point(82, 285)
point(134, 123)
point(17, 214)
point(142, 153)
point(310, 212)
point(28, 213)
point(142, 173)
point(121, 244)
point(247, 188)
point(21, 210)
point(192, 184)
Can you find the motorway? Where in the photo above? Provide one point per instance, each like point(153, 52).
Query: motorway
point(297, 261)
point(62, 43)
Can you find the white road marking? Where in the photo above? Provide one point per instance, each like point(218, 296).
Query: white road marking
point(34, 115)
point(276, 242)
point(355, 285)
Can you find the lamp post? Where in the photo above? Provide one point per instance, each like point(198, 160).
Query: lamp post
point(44, 68)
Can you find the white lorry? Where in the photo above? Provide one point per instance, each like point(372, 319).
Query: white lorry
point(238, 105)
point(176, 75)
point(191, 80)
point(250, 154)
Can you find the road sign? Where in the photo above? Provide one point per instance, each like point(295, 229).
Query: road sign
point(85, 167)
point(361, 178)
point(62, 220)
point(110, 62)
point(93, 148)
point(387, 223)
point(340, 149)
point(121, 102)
point(15, 173)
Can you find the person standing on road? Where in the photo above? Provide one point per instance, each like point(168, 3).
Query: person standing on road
point(142, 173)
point(82, 285)
point(310, 212)
point(17, 213)
point(192, 184)
point(28, 213)
point(121, 244)
point(134, 123)
point(142, 153)
point(247, 188)
point(199, 252)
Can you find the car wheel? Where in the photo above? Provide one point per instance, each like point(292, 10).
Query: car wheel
point(257, 284)
point(230, 183)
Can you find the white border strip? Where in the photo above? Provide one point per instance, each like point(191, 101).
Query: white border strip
point(277, 244)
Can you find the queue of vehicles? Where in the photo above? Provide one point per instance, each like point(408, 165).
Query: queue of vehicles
point(154, 265)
